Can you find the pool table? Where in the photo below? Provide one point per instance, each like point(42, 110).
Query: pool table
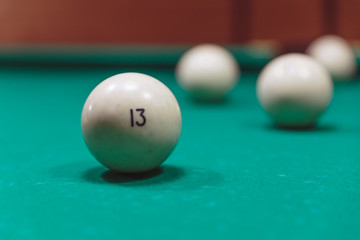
point(233, 174)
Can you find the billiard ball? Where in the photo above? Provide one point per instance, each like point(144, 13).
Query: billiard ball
point(207, 72)
point(335, 54)
point(131, 122)
point(294, 89)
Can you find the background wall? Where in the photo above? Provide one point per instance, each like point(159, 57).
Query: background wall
point(290, 22)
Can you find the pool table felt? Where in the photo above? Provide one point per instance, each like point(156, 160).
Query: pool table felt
point(232, 175)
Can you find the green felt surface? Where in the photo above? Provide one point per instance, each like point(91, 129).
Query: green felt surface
point(232, 176)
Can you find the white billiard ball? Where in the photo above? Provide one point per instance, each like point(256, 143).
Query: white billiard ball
point(131, 122)
point(207, 71)
point(335, 54)
point(294, 89)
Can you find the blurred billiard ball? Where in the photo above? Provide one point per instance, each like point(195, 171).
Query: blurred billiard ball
point(335, 54)
point(294, 89)
point(207, 72)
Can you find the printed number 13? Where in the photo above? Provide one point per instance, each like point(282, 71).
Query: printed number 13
point(141, 114)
